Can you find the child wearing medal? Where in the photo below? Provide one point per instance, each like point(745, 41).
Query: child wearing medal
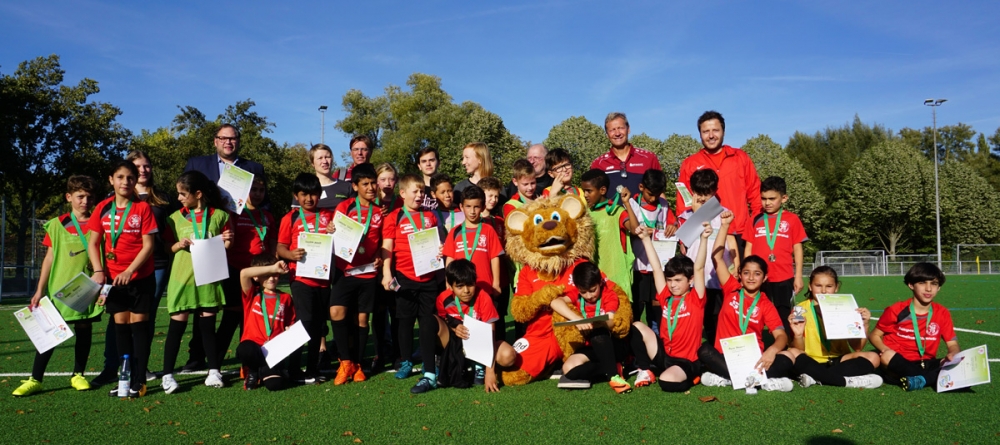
point(492, 216)
point(353, 298)
point(65, 258)
point(383, 319)
point(910, 332)
point(777, 235)
point(120, 249)
point(267, 313)
point(613, 252)
point(745, 309)
point(201, 217)
point(650, 209)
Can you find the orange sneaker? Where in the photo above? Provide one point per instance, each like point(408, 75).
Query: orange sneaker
point(359, 375)
point(644, 377)
point(620, 385)
point(344, 372)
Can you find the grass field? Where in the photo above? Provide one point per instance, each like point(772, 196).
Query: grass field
point(382, 410)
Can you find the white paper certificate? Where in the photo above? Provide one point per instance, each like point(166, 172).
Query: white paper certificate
point(424, 249)
point(284, 344)
point(685, 194)
point(347, 237)
point(692, 228)
point(602, 317)
point(969, 367)
point(235, 183)
point(742, 354)
point(319, 253)
point(79, 293)
point(208, 258)
point(840, 316)
point(44, 326)
point(665, 250)
point(479, 346)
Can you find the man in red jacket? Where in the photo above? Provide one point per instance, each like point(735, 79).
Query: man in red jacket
point(739, 185)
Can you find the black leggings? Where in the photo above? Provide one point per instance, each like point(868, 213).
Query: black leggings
point(832, 373)
point(715, 363)
point(253, 358)
point(84, 338)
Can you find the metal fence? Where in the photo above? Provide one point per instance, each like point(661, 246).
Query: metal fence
point(20, 280)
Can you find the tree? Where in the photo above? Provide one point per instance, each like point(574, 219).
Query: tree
point(672, 151)
point(49, 131)
point(956, 142)
point(885, 200)
point(969, 206)
point(481, 125)
point(583, 139)
point(804, 199)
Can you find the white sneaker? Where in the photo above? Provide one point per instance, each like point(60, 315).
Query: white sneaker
point(168, 384)
point(870, 381)
point(782, 384)
point(214, 379)
point(150, 376)
point(710, 379)
point(806, 381)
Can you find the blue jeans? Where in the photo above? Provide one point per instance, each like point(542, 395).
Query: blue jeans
point(110, 345)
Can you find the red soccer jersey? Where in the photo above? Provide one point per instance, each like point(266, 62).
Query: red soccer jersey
point(689, 313)
point(397, 227)
point(729, 316)
point(247, 242)
point(368, 249)
point(739, 185)
point(288, 234)
point(67, 224)
point(515, 202)
point(140, 221)
point(253, 317)
point(654, 216)
point(898, 328)
point(790, 233)
point(482, 308)
point(483, 251)
point(608, 301)
point(635, 164)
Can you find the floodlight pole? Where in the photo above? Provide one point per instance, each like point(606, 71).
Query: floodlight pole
point(934, 103)
point(322, 124)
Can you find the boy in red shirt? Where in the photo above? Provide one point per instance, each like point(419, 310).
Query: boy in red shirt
point(310, 295)
point(524, 179)
point(650, 210)
point(356, 290)
point(777, 236)
point(476, 241)
point(267, 313)
point(910, 332)
point(415, 294)
point(494, 218)
point(680, 291)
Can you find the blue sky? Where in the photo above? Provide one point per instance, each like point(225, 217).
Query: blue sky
point(769, 67)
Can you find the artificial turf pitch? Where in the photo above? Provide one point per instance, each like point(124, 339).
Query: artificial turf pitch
point(382, 410)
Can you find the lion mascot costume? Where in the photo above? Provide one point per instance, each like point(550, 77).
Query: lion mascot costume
point(549, 237)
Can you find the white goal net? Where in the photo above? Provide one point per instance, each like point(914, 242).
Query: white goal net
point(853, 262)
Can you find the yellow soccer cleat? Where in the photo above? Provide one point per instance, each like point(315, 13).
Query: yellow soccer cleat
point(79, 382)
point(28, 387)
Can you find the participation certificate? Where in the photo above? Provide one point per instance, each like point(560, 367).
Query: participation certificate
point(44, 326)
point(691, 230)
point(685, 194)
point(602, 317)
point(235, 183)
point(479, 346)
point(319, 253)
point(79, 293)
point(347, 237)
point(969, 368)
point(742, 354)
point(840, 316)
point(665, 250)
point(425, 248)
point(284, 344)
point(208, 258)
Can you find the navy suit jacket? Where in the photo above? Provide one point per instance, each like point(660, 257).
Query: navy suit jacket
point(209, 166)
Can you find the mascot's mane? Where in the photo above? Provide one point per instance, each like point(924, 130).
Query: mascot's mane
point(581, 232)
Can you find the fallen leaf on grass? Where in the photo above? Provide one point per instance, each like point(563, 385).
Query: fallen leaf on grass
point(20, 411)
point(706, 399)
point(425, 428)
point(475, 402)
point(447, 433)
point(226, 436)
point(421, 405)
point(200, 442)
point(357, 440)
point(347, 433)
point(980, 321)
point(837, 431)
point(899, 413)
point(183, 433)
point(147, 409)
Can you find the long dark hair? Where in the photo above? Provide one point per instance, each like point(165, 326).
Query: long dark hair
point(195, 181)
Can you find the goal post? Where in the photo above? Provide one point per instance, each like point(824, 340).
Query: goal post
point(854, 262)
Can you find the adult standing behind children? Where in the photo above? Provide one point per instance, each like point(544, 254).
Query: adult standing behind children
point(739, 185)
point(478, 164)
point(624, 163)
point(428, 163)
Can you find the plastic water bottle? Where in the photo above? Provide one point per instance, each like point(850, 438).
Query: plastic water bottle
point(124, 377)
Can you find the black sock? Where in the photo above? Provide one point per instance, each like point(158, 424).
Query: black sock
point(140, 340)
point(231, 321)
point(41, 362)
point(341, 336)
point(585, 371)
point(428, 342)
point(781, 367)
point(123, 336)
point(600, 340)
point(208, 340)
point(81, 350)
point(362, 333)
point(406, 337)
point(175, 334)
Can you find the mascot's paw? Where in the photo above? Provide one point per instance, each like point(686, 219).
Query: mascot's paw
point(515, 377)
point(623, 317)
point(524, 307)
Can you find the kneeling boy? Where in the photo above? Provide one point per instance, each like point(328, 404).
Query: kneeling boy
point(266, 313)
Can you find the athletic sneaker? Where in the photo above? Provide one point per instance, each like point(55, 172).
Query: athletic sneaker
point(150, 376)
point(405, 368)
point(711, 379)
point(913, 383)
point(870, 381)
point(620, 385)
point(344, 372)
point(806, 381)
point(140, 393)
point(79, 382)
point(252, 381)
point(556, 374)
point(644, 377)
point(568, 383)
point(168, 384)
point(298, 376)
point(782, 384)
point(214, 379)
point(105, 377)
point(359, 375)
point(423, 385)
point(29, 387)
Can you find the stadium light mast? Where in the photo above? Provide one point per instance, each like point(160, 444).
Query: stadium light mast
point(934, 103)
point(322, 125)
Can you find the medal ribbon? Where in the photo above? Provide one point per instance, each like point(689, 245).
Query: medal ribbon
point(305, 224)
point(916, 328)
point(261, 229)
point(406, 213)
point(469, 313)
point(745, 317)
point(772, 237)
point(671, 315)
point(822, 335)
point(194, 224)
point(263, 313)
point(583, 307)
point(469, 253)
point(650, 224)
point(116, 232)
point(79, 233)
point(367, 220)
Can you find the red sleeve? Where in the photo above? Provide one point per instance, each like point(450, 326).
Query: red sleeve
point(493, 246)
point(285, 230)
point(47, 242)
point(439, 304)
point(749, 231)
point(524, 282)
point(148, 221)
point(947, 327)
point(752, 187)
point(887, 322)
point(485, 311)
point(609, 299)
point(770, 316)
point(622, 219)
point(671, 219)
point(507, 208)
point(389, 226)
point(596, 163)
point(450, 247)
point(733, 285)
point(685, 177)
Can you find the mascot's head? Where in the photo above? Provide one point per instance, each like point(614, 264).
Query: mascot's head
point(549, 234)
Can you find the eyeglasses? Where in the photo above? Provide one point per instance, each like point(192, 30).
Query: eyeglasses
point(562, 168)
point(230, 139)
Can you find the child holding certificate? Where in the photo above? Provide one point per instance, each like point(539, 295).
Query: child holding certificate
point(647, 209)
point(820, 361)
point(493, 217)
point(462, 300)
point(448, 214)
point(267, 313)
point(353, 298)
point(415, 293)
point(202, 217)
point(910, 332)
point(746, 310)
point(311, 295)
point(121, 250)
point(680, 291)
point(65, 258)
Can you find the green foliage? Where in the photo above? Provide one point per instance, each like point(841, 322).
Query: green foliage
point(583, 139)
point(956, 142)
point(969, 206)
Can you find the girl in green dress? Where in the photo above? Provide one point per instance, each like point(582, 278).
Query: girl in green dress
point(203, 216)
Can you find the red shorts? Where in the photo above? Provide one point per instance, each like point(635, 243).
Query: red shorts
point(535, 354)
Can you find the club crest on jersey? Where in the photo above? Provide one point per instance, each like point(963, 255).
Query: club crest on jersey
point(933, 329)
point(482, 240)
point(134, 221)
point(735, 304)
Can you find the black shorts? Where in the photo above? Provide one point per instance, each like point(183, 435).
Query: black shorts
point(780, 293)
point(135, 297)
point(311, 303)
point(643, 287)
point(354, 292)
point(662, 362)
point(232, 290)
point(415, 300)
